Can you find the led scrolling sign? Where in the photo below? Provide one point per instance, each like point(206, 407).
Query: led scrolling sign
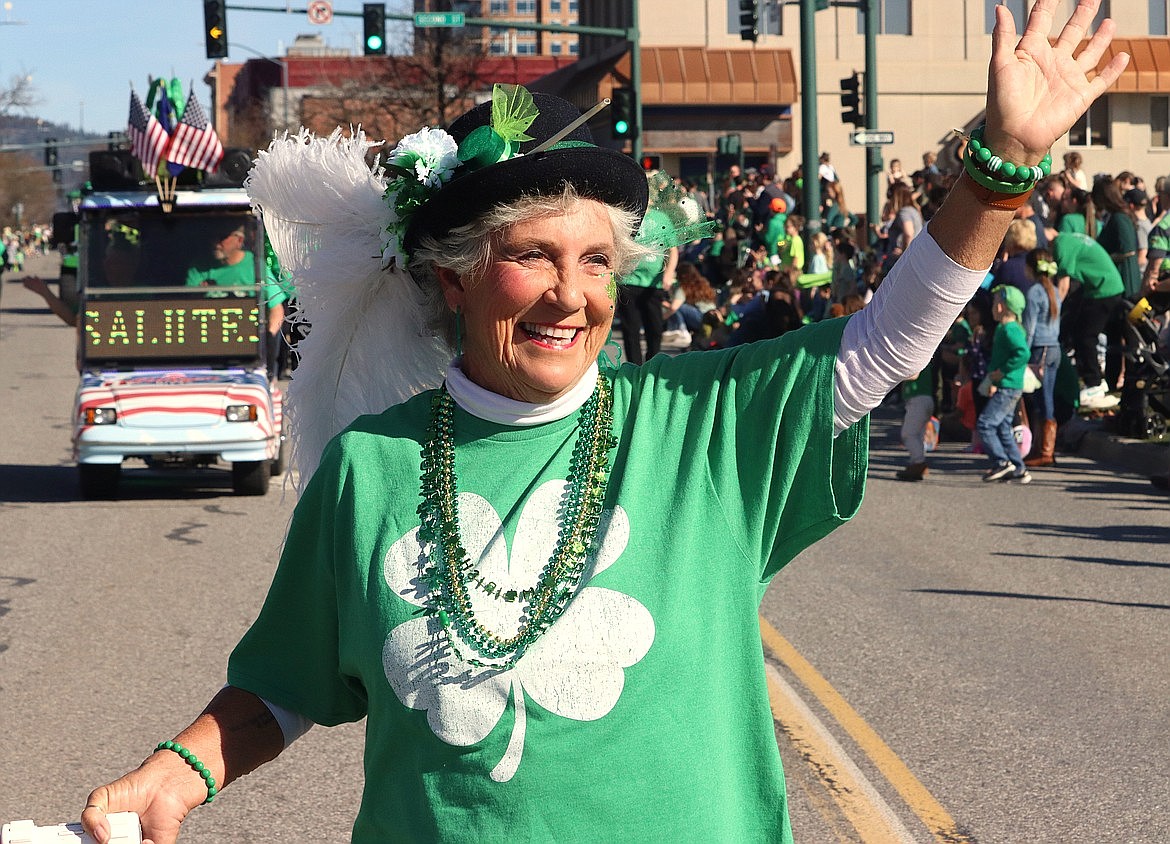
point(174, 328)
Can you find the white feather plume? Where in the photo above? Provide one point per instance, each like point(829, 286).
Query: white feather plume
point(368, 344)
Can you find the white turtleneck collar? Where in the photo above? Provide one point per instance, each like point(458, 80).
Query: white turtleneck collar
point(493, 407)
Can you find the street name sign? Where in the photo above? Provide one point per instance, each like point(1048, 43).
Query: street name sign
point(438, 19)
point(870, 138)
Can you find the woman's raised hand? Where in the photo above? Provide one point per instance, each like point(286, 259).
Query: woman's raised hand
point(1037, 89)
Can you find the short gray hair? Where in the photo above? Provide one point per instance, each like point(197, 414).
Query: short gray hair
point(469, 250)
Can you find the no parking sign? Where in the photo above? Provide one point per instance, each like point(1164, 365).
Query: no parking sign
point(320, 12)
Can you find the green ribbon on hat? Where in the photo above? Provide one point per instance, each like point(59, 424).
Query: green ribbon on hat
point(482, 147)
point(513, 111)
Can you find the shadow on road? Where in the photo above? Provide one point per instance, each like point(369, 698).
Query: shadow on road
point(22, 484)
point(978, 593)
point(1101, 561)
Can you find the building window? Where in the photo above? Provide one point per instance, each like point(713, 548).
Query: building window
point(771, 19)
point(499, 47)
point(1160, 122)
point(554, 6)
point(1103, 11)
point(1018, 8)
point(1158, 18)
point(893, 18)
point(555, 48)
point(572, 7)
point(525, 7)
point(499, 7)
point(1092, 130)
point(526, 48)
point(574, 49)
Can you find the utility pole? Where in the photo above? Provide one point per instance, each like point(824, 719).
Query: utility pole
point(811, 193)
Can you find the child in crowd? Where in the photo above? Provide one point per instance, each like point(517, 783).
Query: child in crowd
point(918, 404)
point(790, 251)
point(1009, 358)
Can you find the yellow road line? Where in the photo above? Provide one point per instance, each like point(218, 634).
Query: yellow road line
point(941, 825)
point(856, 799)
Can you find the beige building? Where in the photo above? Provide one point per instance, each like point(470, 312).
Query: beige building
point(931, 65)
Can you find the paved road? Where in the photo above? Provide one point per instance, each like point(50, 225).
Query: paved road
point(1010, 645)
point(1006, 648)
point(116, 617)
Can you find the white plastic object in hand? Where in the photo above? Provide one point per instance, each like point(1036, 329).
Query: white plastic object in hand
point(124, 829)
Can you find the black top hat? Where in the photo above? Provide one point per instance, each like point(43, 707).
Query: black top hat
point(598, 173)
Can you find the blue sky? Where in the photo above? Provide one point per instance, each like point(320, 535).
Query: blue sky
point(83, 55)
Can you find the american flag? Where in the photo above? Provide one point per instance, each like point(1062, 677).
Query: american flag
point(194, 143)
point(148, 139)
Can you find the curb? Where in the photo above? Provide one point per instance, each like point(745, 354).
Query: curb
point(1140, 457)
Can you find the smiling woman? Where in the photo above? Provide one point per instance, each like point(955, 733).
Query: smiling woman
point(539, 310)
point(503, 559)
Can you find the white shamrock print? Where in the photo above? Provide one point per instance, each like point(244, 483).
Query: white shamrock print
point(575, 670)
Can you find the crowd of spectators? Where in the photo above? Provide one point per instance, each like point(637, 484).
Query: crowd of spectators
point(1082, 253)
point(763, 274)
point(16, 244)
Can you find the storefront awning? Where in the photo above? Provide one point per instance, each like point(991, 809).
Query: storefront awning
point(683, 76)
point(699, 76)
point(1148, 71)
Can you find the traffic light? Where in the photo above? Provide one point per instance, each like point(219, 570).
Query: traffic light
point(374, 26)
point(651, 162)
point(728, 145)
point(215, 28)
point(749, 20)
point(622, 114)
point(851, 100)
point(50, 152)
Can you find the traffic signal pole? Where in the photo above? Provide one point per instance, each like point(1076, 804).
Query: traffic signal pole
point(874, 193)
point(636, 77)
point(811, 192)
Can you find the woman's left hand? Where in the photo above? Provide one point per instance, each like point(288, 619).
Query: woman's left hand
point(1036, 90)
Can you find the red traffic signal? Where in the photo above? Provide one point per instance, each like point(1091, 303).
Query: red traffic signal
point(651, 162)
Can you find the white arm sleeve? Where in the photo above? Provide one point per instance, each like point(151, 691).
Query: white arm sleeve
point(292, 724)
point(896, 334)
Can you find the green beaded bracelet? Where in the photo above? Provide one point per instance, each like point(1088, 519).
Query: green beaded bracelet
point(192, 760)
point(1002, 176)
point(993, 184)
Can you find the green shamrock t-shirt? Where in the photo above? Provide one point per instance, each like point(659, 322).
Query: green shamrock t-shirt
point(642, 713)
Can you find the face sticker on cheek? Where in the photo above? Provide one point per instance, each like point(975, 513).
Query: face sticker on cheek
point(611, 287)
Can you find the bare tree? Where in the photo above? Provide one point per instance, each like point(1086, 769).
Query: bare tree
point(18, 96)
point(24, 182)
point(429, 85)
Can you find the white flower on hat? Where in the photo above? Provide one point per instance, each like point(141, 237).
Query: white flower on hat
point(433, 153)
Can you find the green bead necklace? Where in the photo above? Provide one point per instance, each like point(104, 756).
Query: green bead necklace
point(449, 569)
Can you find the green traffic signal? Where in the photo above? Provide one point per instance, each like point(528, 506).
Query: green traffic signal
point(374, 29)
point(622, 114)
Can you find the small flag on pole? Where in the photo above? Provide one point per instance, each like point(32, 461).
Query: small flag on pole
point(194, 143)
point(148, 139)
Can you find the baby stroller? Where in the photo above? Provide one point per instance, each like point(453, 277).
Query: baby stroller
point(1144, 412)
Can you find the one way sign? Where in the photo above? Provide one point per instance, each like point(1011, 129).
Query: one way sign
point(870, 138)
